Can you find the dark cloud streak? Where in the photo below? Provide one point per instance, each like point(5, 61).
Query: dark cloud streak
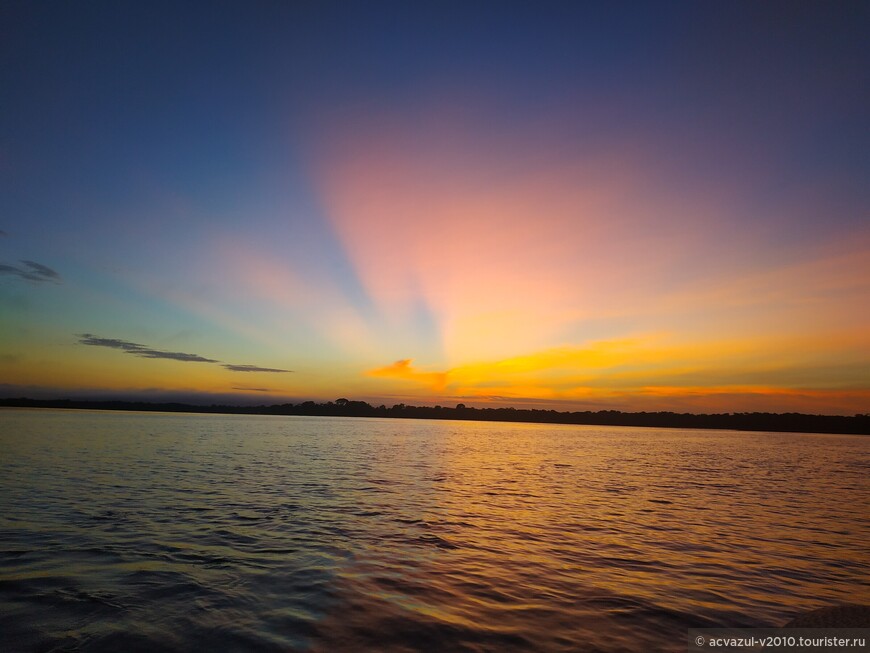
point(42, 270)
point(143, 351)
point(31, 271)
point(252, 368)
point(114, 343)
point(173, 355)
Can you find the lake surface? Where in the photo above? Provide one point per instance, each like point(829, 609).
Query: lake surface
point(175, 532)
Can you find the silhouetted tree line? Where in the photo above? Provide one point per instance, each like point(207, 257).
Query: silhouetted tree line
point(786, 422)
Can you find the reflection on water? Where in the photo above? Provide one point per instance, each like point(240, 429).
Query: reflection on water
point(171, 532)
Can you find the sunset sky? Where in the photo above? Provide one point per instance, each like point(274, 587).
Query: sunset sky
point(653, 206)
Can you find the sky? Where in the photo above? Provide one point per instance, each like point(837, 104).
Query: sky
point(571, 206)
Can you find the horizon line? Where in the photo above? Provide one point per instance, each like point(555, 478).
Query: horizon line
point(857, 424)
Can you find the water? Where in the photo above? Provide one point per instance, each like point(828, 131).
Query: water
point(172, 532)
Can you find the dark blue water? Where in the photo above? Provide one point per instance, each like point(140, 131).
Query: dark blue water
point(172, 532)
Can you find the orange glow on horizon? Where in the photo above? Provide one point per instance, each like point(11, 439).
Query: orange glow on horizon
point(646, 373)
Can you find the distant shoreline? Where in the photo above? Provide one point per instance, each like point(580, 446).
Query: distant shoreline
point(779, 422)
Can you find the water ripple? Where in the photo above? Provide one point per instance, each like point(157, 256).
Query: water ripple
point(159, 532)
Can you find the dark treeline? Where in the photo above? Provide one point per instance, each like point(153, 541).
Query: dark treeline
point(790, 422)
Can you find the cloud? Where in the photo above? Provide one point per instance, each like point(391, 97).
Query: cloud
point(3, 233)
point(402, 369)
point(252, 368)
point(31, 271)
point(236, 387)
point(42, 270)
point(143, 351)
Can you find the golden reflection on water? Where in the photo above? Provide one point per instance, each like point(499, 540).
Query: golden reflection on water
point(550, 536)
point(352, 534)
